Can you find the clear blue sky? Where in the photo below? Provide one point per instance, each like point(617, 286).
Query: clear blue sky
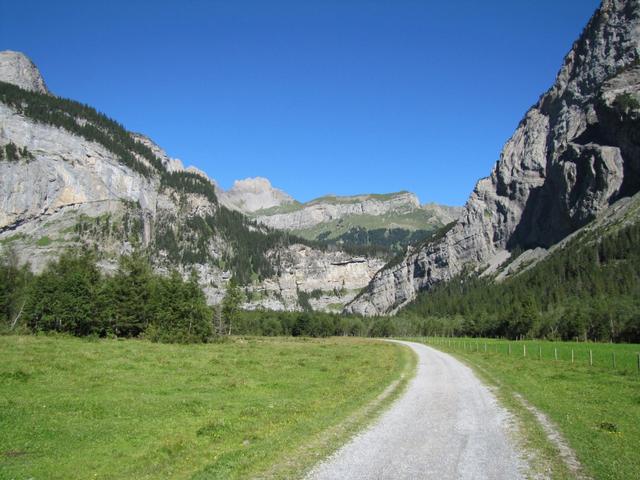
point(331, 96)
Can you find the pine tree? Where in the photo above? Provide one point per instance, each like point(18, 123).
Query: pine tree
point(127, 296)
point(65, 297)
point(180, 311)
point(233, 298)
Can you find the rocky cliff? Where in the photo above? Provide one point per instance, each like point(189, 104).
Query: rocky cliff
point(252, 194)
point(69, 177)
point(17, 69)
point(388, 222)
point(331, 207)
point(575, 152)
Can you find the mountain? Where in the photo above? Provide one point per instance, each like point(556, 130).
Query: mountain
point(17, 69)
point(388, 222)
point(72, 177)
point(575, 153)
point(252, 194)
point(383, 224)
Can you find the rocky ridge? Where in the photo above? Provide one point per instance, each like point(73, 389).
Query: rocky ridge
point(253, 194)
point(575, 152)
point(386, 222)
point(328, 208)
point(16, 68)
point(118, 192)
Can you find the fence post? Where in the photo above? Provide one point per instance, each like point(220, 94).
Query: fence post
point(638, 361)
point(509, 348)
point(539, 352)
point(555, 353)
point(590, 358)
point(477, 347)
point(614, 359)
point(524, 349)
point(572, 355)
point(485, 348)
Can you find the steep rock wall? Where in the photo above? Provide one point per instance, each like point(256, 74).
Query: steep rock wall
point(574, 153)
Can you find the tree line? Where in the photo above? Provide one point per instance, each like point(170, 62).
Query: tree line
point(73, 296)
point(588, 290)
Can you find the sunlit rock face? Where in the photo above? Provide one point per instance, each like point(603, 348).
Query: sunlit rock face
point(574, 153)
point(16, 68)
point(70, 191)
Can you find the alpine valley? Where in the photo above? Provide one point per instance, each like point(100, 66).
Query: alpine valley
point(73, 177)
point(566, 181)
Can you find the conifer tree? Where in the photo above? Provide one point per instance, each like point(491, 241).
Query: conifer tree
point(233, 298)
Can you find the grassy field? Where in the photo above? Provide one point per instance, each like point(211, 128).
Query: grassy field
point(597, 408)
point(605, 356)
point(73, 408)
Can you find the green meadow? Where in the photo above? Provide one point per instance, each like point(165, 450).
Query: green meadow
point(113, 409)
point(596, 407)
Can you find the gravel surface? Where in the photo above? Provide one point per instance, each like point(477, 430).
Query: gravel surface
point(447, 425)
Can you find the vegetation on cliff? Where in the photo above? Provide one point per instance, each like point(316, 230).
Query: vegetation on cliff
point(588, 290)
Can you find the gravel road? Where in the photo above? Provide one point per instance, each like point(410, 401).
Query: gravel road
point(447, 425)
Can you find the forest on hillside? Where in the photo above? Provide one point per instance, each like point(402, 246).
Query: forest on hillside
point(588, 290)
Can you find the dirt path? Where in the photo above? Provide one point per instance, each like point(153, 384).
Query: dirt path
point(447, 425)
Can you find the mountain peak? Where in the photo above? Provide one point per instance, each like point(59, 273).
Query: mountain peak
point(16, 68)
point(257, 193)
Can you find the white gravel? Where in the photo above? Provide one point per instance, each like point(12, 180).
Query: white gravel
point(447, 425)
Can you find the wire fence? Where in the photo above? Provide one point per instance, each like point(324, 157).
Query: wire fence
point(616, 357)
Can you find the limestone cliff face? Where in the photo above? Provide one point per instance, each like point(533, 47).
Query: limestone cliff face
point(574, 153)
point(67, 171)
point(70, 191)
point(16, 68)
point(332, 279)
point(326, 209)
point(252, 194)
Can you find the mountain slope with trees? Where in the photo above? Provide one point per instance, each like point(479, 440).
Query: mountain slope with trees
point(575, 153)
point(72, 177)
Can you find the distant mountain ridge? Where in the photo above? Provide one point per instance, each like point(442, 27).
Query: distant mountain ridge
point(388, 221)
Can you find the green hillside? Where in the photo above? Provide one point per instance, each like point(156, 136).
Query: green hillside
point(389, 233)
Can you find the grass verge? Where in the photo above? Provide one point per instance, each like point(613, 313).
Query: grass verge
point(596, 409)
point(73, 408)
point(304, 457)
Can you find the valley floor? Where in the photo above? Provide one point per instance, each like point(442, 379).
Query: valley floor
point(595, 408)
point(76, 408)
point(446, 426)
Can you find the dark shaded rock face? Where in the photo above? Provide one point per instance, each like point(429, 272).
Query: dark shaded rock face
point(574, 153)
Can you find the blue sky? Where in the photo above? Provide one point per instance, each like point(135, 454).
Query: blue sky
point(332, 96)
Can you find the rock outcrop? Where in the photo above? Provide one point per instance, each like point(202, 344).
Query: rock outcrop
point(252, 194)
point(329, 208)
point(330, 279)
point(575, 152)
point(16, 68)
